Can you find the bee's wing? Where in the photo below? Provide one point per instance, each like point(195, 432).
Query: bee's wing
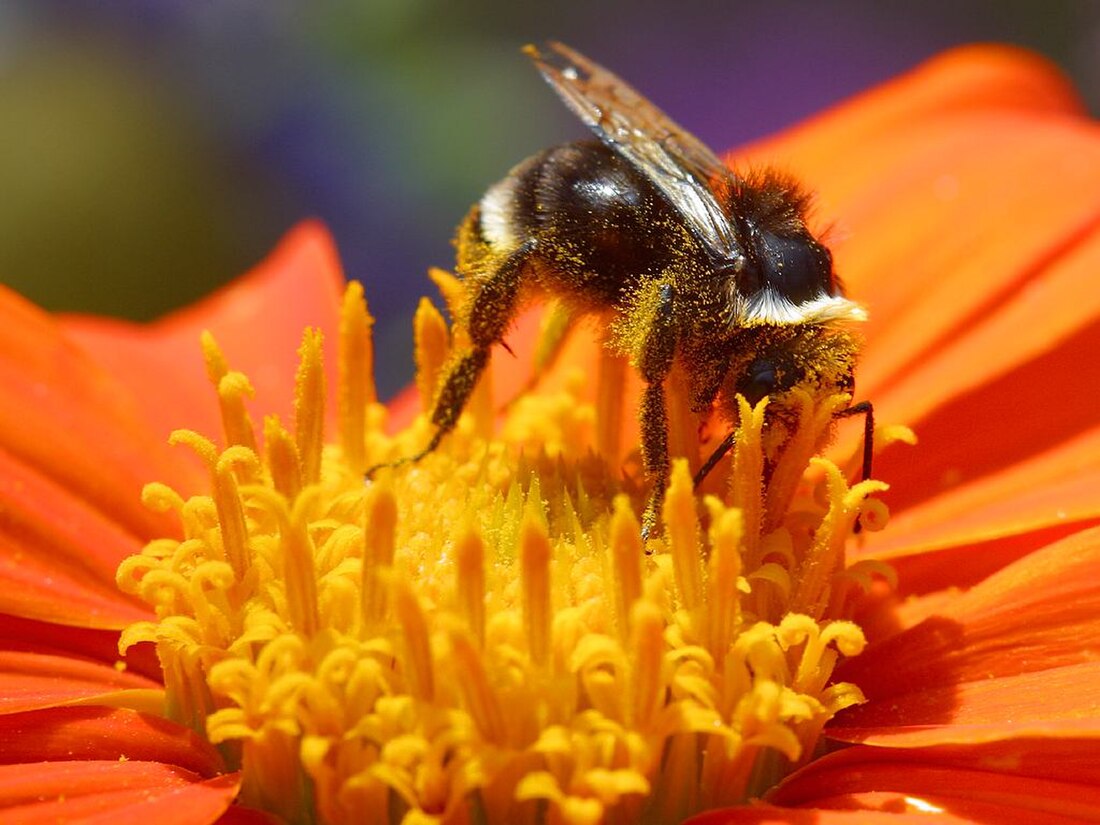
point(675, 161)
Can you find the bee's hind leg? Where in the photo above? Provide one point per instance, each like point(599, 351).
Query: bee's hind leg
point(491, 309)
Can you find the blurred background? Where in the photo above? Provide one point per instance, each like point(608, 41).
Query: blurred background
point(152, 149)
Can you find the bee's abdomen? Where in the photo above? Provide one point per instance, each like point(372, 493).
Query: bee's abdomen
point(599, 226)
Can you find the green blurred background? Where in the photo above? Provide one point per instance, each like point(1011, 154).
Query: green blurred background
point(150, 150)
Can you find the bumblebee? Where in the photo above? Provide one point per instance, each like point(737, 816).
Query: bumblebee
point(687, 261)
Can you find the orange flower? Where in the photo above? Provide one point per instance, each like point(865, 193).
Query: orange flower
point(346, 646)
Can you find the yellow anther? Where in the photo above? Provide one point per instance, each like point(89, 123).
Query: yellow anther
point(418, 656)
point(682, 527)
point(626, 562)
point(470, 580)
point(281, 455)
point(309, 406)
point(380, 519)
point(535, 583)
point(356, 374)
point(430, 348)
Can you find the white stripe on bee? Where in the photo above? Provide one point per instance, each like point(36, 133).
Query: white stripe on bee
point(497, 216)
point(769, 307)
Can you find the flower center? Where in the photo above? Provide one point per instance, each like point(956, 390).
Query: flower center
point(481, 636)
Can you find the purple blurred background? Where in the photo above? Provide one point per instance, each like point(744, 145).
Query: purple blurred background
point(151, 149)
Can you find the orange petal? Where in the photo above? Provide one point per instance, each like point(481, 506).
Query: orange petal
point(1021, 781)
point(59, 551)
point(29, 681)
point(985, 664)
point(26, 635)
point(112, 792)
point(70, 422)
point(98, 733)
point(33, 588)
point(965, 79)
point(258, 321)
point(1045, 607)
point(403, 408)
point(1024, 257)
point(997, 518)
point(985, 711)
point(981, 403)
point(74, 455)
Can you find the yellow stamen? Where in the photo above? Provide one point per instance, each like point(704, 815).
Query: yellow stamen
point(380, 512)
point(683, 424)
point(451, 288)
point(203, 447)
point(418, 658)
point(470, 576)
point(535, 581)
point(309, 406)
point(747, 479)
point(481, 636)
point(356, 384)
point(799, 448)
point(431, 347)
point(233, 388)
point(647, 647)
point(723, 578)
point(626, 563)
point(477, 689)
point(281, 454)
point(231, 519)
point(683, 536)
point(825, 556)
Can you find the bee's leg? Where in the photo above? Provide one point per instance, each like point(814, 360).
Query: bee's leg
point(655, 364)
point(654, 418)
point(867, 410)
point(490, 312)
point(715, 457)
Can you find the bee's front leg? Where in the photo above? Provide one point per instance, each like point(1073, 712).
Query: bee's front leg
point(654, 365)
point(867, 410)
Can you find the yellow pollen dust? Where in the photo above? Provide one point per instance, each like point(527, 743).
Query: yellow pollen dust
point(482, 636)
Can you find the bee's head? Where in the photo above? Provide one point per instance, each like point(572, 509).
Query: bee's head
point(815, 359)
